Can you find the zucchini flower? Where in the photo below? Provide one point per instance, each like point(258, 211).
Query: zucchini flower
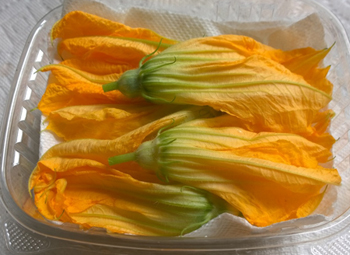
point(269, 177)
point(100, 149)
point(236, 75)
point(91, 194)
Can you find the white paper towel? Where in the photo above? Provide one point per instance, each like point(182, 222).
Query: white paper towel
point(283, 34)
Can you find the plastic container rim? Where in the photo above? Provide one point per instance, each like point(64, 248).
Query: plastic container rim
point(338, 225)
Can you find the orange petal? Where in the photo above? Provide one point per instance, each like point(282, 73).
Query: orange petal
point(68, 75)
point(103, 121)
point(307, 66)
point(51, 169)
point(110, 49)
point(78, 24)
point(316, 133)
point(58, 96)
point(95, 67)
point(264, 203)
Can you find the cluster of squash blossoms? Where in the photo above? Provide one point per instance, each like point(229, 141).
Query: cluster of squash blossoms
point(158, 137)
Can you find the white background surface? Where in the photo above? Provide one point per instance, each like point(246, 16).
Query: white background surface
point(18, 17)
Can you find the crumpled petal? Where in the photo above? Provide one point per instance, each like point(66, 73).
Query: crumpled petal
point(58, 96)
point(103, 121)
point(78, 24)
point(308, 66)
point(92, 195)
point(67, 75)
point(95, 67)
point(317, 132)
point(110, 49)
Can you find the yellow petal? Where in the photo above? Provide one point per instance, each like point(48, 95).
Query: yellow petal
point(78, 23)
point(264, 203)
point(67, 75)
point(308, 66)
point(95, 67)
point(308, 207)
point(316, 133)
point(103, 121)
point(51, 169)
point(58, 96)
point(109, 49)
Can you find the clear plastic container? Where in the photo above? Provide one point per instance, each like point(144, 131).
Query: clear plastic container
point(26, 232)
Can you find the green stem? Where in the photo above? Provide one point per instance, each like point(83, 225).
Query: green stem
point(122, 158)
point(110, 86)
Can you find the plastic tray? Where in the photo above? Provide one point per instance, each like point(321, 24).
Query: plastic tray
point(20, 142)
